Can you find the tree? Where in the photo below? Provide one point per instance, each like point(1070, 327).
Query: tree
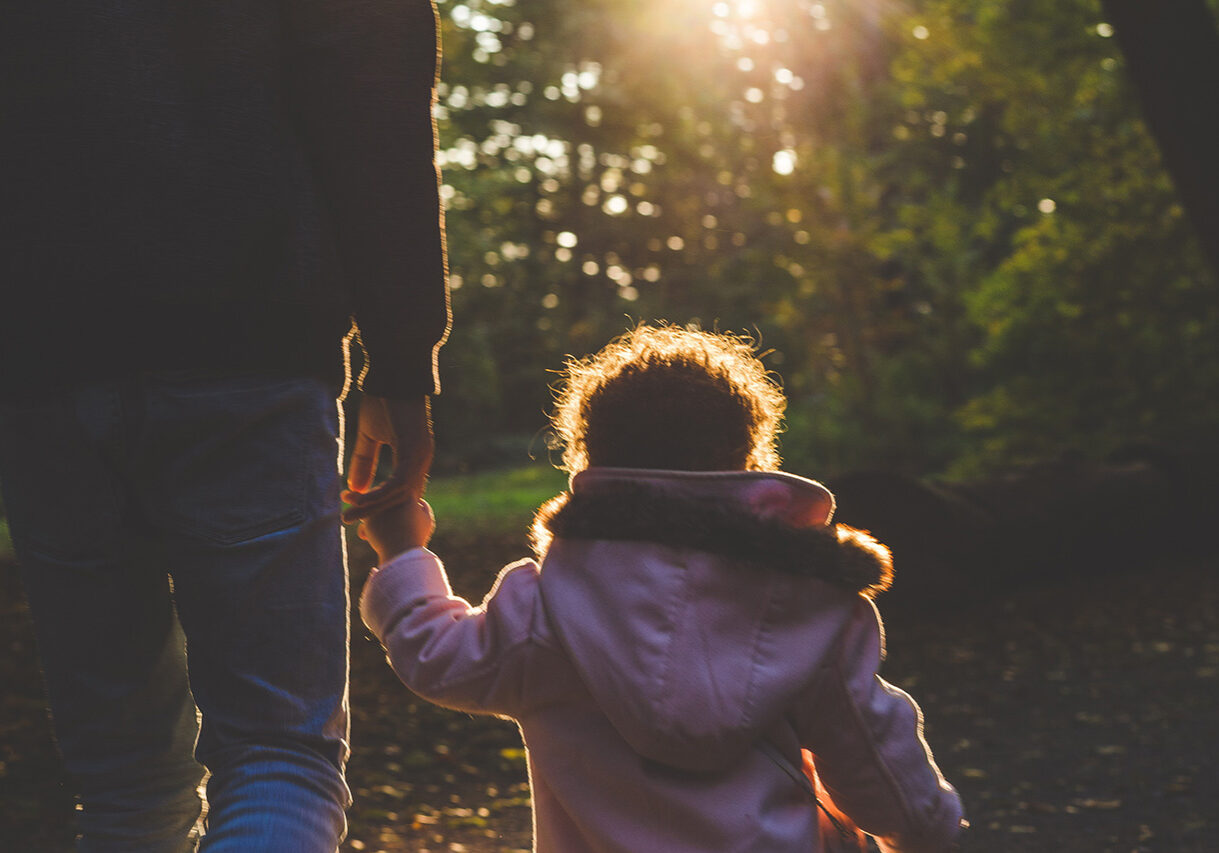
point(947, 220)
point(1172, 54)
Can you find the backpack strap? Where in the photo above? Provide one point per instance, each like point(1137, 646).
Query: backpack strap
point(797, 775)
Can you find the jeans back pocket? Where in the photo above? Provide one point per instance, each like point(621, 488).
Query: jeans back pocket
point(231, 460)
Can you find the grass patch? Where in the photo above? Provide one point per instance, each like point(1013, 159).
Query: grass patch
point(6, 541)
point(503, 500)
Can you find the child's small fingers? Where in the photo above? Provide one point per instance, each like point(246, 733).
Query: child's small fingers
point(386, 494)
point(388, 501)
point(354, 498)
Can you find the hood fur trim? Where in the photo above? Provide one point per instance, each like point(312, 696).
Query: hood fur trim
point(837, 554)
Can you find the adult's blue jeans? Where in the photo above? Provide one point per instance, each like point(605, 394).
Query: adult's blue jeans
point(183, 517)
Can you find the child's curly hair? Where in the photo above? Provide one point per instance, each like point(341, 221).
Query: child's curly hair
point(672, 398)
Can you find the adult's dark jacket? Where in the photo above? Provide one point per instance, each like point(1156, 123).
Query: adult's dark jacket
point(215, 185)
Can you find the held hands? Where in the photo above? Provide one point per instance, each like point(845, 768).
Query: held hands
point(405, 427)
point(393, 516)
point(398, 528)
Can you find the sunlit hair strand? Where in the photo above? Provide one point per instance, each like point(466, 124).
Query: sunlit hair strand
point(668, 397)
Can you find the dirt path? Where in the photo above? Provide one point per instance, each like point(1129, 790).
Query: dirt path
point(1074, 716)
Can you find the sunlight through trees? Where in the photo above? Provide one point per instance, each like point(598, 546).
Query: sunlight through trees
point(946, 218)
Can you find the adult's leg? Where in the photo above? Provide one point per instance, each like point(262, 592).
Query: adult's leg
point(111, 648)
point(243, 482)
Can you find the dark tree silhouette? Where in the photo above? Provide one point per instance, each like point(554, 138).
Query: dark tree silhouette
point(1172, 53)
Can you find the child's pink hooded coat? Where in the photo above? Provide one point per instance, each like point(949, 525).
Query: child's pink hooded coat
point(677, 619)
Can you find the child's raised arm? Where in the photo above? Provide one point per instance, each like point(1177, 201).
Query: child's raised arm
point(473, 659)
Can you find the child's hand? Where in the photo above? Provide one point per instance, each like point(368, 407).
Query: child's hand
point(399, 528)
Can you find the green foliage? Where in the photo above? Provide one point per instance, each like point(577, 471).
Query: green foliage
point(1094, 316)
point(493, 501)
point(945, 220)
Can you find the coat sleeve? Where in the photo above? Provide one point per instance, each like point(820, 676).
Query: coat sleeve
point(471, 659)
point(867, 736)
point(361, 79)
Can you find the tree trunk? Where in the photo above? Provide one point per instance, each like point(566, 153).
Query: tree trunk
point(1172, 53)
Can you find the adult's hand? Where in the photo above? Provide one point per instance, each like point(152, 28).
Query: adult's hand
point(405, 426)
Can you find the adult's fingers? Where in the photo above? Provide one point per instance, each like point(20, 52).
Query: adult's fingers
point(392, 492)
point(413, 462)
point(414, 444)
point(363, 464)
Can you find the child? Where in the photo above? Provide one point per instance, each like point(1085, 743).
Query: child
point(693, 623)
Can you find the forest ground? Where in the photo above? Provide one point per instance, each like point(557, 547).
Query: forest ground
point(1073, 714)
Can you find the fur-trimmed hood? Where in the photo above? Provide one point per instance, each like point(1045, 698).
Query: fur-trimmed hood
point(762, 520)
point(696, 604)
